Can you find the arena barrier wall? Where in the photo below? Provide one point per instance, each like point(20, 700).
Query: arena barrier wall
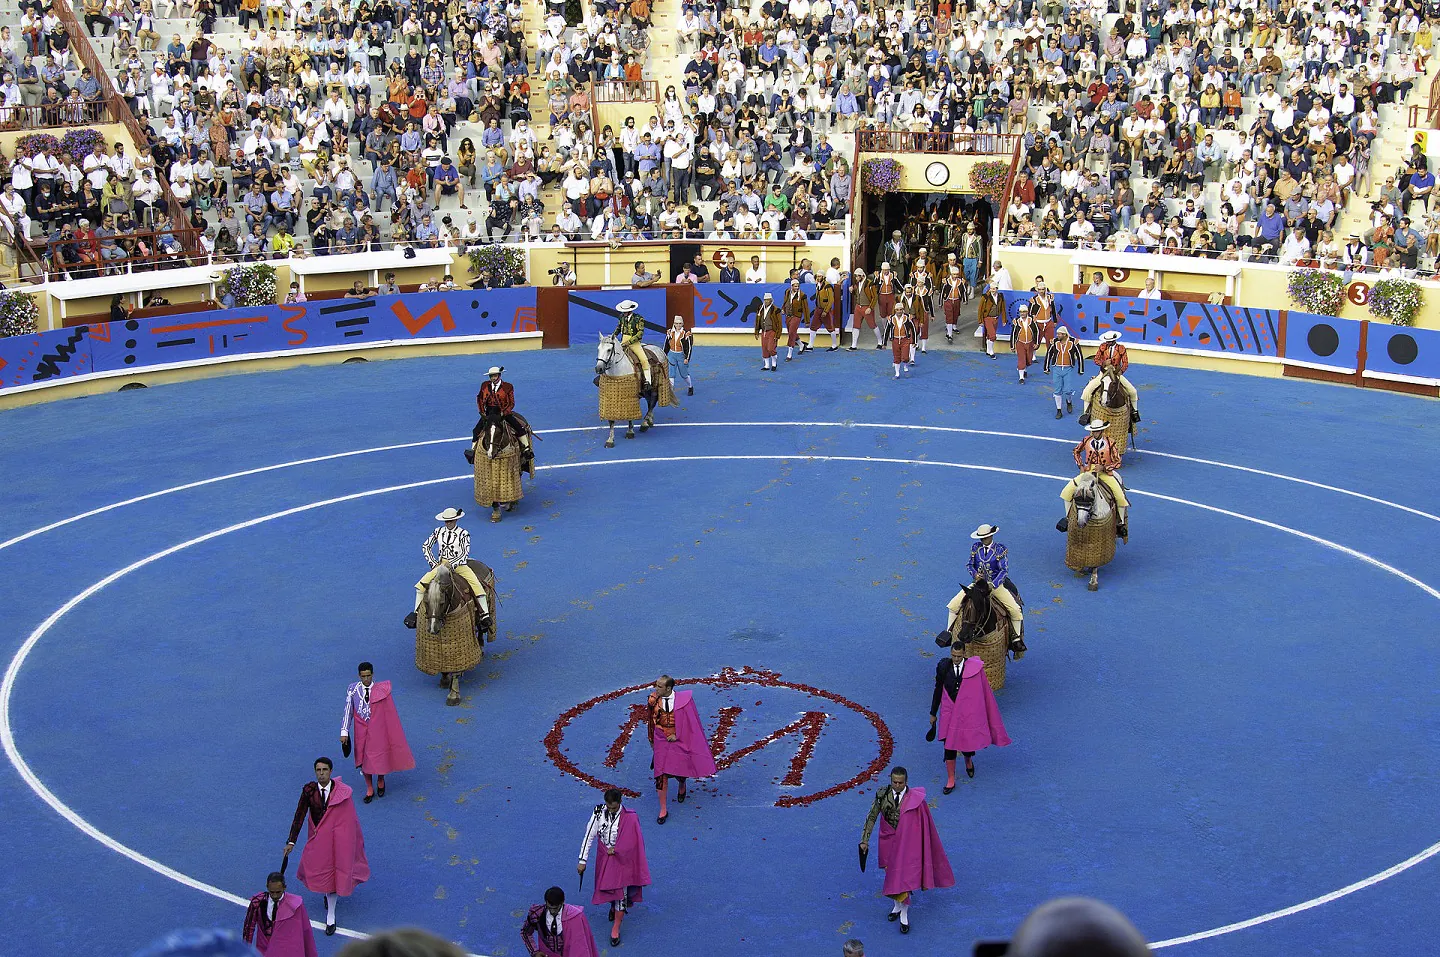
point(1305, 345)
point(592, 311)
point(299, 328)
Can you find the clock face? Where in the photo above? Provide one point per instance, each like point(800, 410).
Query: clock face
point(937, 174)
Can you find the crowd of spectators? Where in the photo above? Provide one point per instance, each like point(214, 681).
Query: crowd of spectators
point(1229, 131)
point(1237, 129)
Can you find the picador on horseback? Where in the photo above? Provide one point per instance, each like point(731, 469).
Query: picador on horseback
point(449, 546)
point(1097, 455)
point(989, 567)
point(1112, 361)
point(496, 403)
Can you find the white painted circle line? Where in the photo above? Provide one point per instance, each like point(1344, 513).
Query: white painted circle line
point(690, 425)
point(7, 686)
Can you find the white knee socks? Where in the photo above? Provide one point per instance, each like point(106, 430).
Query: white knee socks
point(1057, 402)
point(330, 901)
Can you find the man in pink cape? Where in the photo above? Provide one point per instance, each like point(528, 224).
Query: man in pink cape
point(334, 858)
point(557, 929)
point(911, 854)
point(276, 922)
point(969, 718)
point(380, 745)
point(681, 747)
point(621, 870)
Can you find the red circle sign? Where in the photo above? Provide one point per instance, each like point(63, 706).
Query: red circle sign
point(1119, 275)
point(1358, 293)
point(805, 730)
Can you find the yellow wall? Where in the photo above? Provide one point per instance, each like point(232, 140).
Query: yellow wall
point(613, 114)
point(914, 165)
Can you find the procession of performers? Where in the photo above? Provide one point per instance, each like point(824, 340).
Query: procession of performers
point(898, 304)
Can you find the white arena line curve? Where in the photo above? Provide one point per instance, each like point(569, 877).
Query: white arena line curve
point(27, 774)
point(16, 540)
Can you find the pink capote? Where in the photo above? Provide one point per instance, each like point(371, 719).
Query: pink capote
point(579, 942)
point(626, 868)
point(380, 746)
point(911, 854)
point(688, 756)
point(291, 935)
point(973, 722)
point(333, 861)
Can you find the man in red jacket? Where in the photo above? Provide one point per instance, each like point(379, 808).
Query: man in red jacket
point(496, 401)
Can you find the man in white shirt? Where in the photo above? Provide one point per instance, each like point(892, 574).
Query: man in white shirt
point(756, 272)
point(1150, 291)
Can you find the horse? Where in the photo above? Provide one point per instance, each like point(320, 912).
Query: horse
point(497, 471)
point(1110, 404)
point(622, 388)
point(983, 624)
point(1090, 528)
point(447, 639)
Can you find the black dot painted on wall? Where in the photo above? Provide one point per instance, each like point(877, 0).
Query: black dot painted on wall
point(493, 323)
point(474, 303)
point(129, 343)
point(1402, 349)
point(485, 314)
point(1323, 340)
point(129, 360)
point(132, 325)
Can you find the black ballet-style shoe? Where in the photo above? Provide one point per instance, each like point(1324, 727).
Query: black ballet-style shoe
point(681, 796)
point(947, 789)
point(329, 930)
point(904, 927)
point(894, 916)
point(368, 798)
point(663, 818)
point(614, 941)
point(690, 391)
point(380, 791)
point(969, 769)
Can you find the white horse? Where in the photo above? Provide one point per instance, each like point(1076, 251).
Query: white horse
point(1090, 528)
point(619, 402)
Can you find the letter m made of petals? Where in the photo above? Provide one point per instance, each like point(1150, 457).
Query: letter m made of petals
point(807, 727)
point(413, 324)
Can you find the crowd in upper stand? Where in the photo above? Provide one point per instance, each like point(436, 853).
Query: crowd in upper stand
point(292, 127)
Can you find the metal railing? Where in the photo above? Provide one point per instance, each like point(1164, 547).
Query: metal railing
point(901, 141)
point(50, 115)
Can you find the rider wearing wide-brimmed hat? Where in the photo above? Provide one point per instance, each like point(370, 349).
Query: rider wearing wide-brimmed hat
point(449, 545)
point(496, 400)
point(631, 332)
point(991, 561)
point(1096, 453)
point(1112, 357)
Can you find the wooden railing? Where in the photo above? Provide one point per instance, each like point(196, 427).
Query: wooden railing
point(46, 261)
point(83, 113)
point(1427, 116)
point(898, 141)
point(625, 91)
point(120, 113)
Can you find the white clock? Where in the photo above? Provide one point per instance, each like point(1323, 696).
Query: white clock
point(937, 174)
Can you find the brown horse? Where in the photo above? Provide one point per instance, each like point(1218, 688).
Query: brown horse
point(451, 634)
point(1110, 404)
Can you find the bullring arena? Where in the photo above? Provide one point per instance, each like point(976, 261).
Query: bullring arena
point(1040, 398)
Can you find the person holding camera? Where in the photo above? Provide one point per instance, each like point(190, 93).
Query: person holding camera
point(563, 275)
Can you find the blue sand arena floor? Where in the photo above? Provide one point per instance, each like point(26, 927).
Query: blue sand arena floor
point(1242, 720)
